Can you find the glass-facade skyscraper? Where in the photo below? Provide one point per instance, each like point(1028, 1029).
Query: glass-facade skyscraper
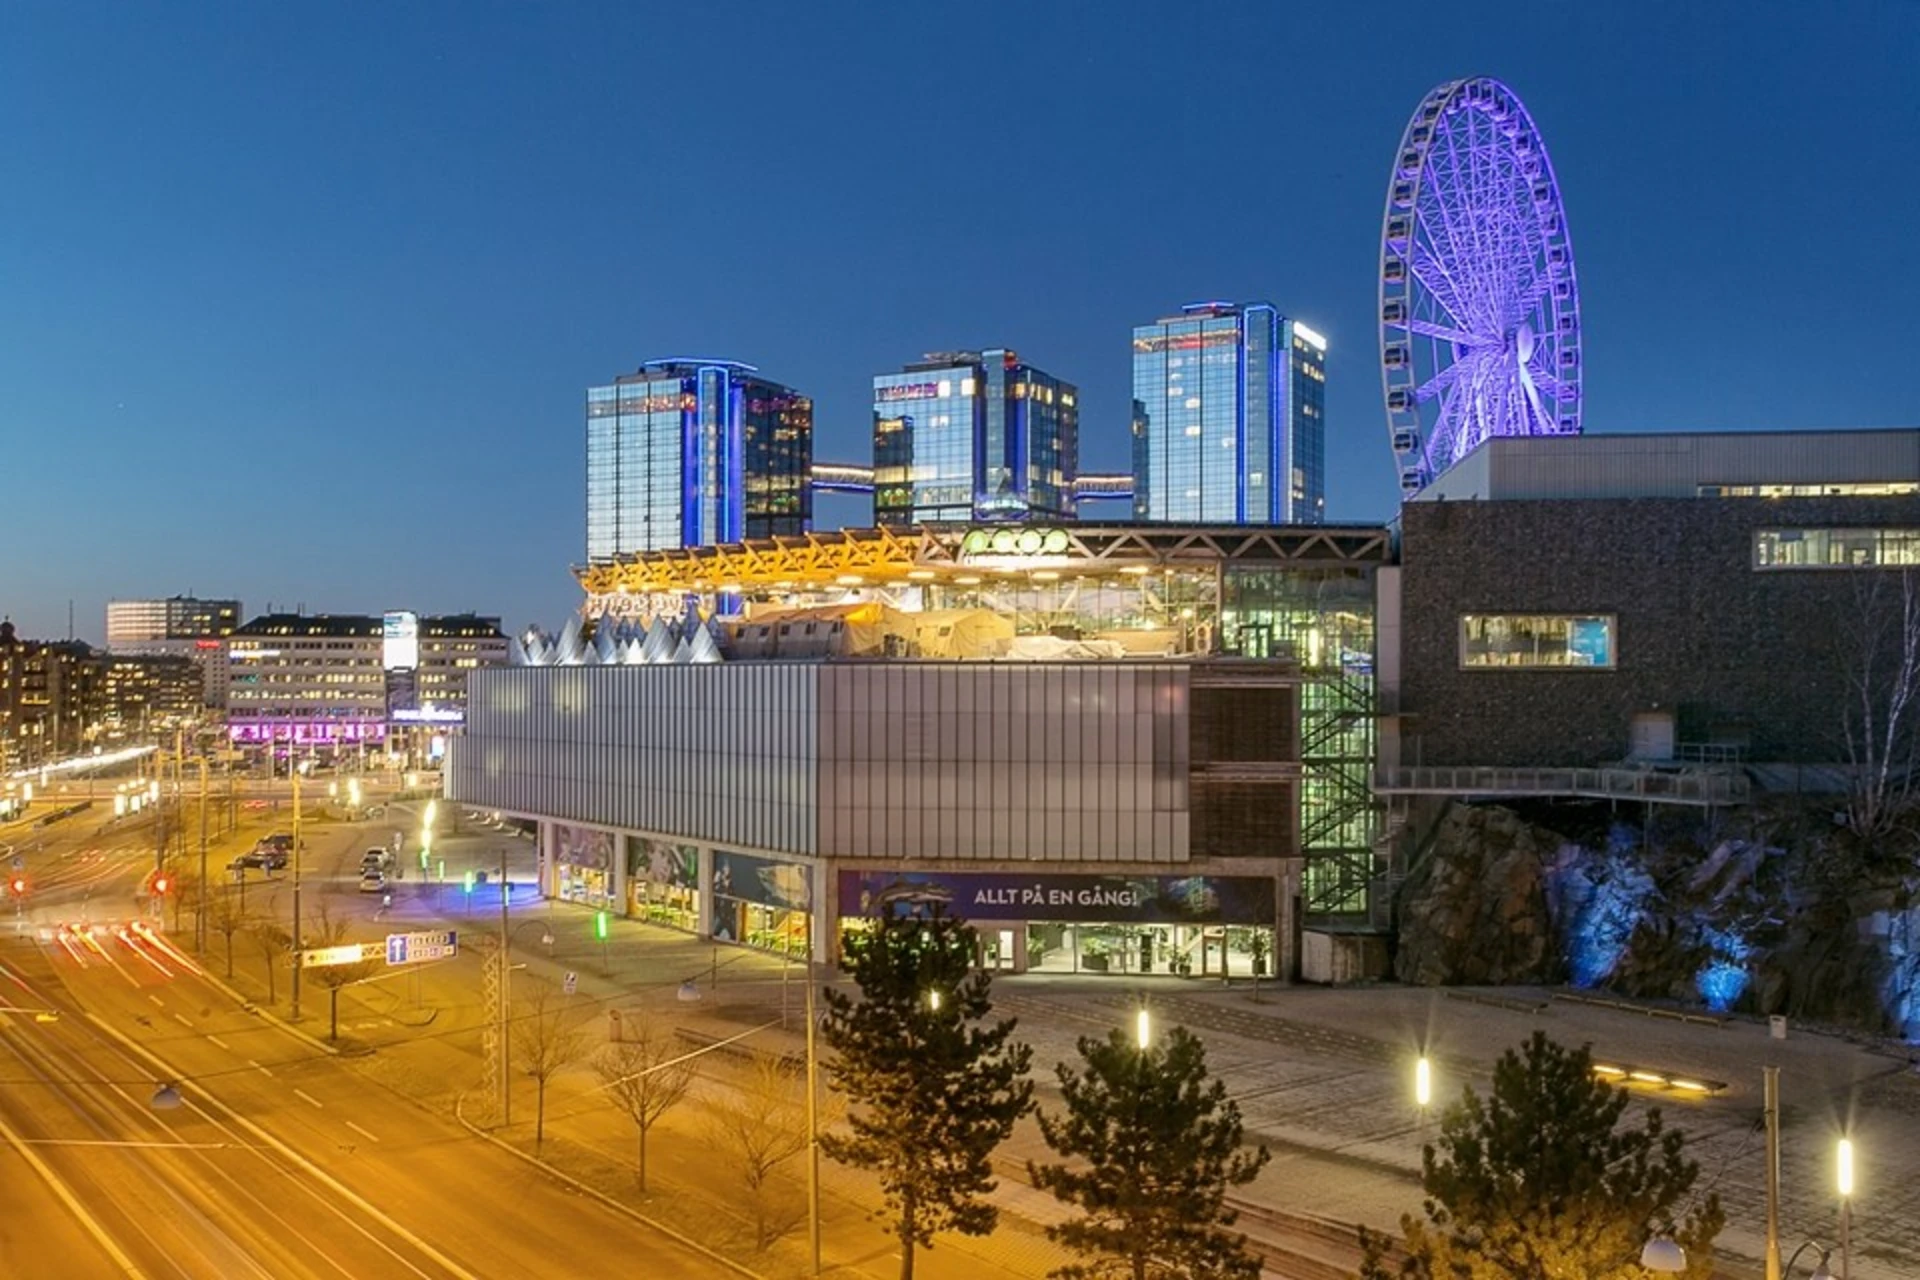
point(688, 453)
point(973, 435)
point(1229, 417)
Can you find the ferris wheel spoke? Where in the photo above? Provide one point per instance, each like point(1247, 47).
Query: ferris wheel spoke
point(1440, 382)
point(1428, 329)
point(1431, 270)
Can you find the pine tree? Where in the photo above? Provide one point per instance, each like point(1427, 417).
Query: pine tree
point(1540, 1180)
point(935, 1087)
point(1158, 1144)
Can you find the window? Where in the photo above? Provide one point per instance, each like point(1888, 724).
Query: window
point(1537, 640)
point(1835, 548)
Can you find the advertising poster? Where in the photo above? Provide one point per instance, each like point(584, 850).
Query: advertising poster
point(662, 862)
point(584, 847)
point(1079, 899)
point(761, 880)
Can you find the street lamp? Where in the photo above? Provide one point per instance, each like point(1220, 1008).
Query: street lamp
point(1844, 1171)
point(1819, 1271)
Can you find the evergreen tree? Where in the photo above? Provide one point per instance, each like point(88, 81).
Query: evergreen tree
point(1158, 1145)
point(1540, 1180)
point(936, 1088)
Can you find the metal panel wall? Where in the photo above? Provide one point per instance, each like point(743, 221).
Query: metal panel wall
point(1068, 762)
point(721, 753)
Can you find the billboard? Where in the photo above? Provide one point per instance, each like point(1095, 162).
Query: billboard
point(400, 636)
point(1076, 899)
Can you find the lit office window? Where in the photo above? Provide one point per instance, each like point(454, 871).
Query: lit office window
point(1537, 640)
point(1835, 548)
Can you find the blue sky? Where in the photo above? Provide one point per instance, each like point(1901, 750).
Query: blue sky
point(298, 302)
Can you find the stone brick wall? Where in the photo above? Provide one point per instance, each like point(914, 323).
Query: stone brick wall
point(1700, 633)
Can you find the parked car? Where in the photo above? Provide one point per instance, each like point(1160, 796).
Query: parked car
point(374, 881)
point(375, 860)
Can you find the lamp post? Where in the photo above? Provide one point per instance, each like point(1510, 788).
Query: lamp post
point(294, 775)
point(813, 1121)
point(1844, 1170)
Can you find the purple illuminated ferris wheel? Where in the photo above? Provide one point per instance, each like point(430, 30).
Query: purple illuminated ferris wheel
point(1479, 311)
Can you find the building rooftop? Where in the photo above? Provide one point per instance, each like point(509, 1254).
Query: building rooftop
point(1685, 464)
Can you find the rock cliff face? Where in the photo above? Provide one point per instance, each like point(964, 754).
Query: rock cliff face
point(1770, 912)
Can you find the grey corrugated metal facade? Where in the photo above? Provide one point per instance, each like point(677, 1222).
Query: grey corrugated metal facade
point(1069, 762)
point(722, 753)
point(1674, 465)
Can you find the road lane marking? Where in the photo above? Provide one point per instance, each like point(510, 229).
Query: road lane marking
point(304, 1096)
point(157, 1000)
point(213, 1039)
point(257, 1067)
point(182, 1019)
point(60, 1189)
point(362, 1132)
point(314, 1171)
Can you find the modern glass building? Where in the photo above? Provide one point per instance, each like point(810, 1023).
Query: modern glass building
point(973, 435)
point(1229, 417)
point(693, 453)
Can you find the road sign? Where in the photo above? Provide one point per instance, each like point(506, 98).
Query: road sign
point(417, 948)
point(350, 953)
point(571, 983)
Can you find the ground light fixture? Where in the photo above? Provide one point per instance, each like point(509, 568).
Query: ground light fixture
point(1143, 1030)
point(1663, 1255)
point(1423, 1083)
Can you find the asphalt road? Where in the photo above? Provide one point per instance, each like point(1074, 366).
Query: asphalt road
point(281, 1161)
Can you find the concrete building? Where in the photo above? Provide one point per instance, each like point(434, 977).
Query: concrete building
point(179, 626)
point(1115, 749)
point(1687, 612)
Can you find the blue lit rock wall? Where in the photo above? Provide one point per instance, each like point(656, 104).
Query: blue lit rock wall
point(1765, 913)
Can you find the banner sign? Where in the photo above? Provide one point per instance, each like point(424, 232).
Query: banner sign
point(1078, 899)
point(771, 884)
point(662, 862)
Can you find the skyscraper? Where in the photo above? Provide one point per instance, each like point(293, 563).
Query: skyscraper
point(973, 435)
point(690, 453)
point(1229, 417)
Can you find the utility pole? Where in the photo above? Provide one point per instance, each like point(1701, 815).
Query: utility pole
point(505, 1012)
point(813, 1120)
point(200, 904)
point(1771, 1103)
point(294, 774)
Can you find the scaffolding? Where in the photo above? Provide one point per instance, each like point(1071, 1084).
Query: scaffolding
point(1338, 812)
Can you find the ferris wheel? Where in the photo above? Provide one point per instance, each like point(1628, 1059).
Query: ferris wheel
point(1479, 310)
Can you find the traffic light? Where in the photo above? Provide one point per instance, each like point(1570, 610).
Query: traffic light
point(600, 925)
point(466, 881)
point(19, 886)
point(161, 884)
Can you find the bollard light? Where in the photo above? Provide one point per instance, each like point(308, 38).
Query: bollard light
point(1423, 1083)
point(1844, 1168)
point(1143, 1030)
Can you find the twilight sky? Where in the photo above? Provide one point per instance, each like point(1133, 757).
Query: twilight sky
point(298, 302)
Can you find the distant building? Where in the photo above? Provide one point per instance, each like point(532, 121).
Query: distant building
point(1229, 417)
point(972, 436)
point(49, 698)
point(694, 453)
point(329, 682)
point(182, 626)
point(143, 696)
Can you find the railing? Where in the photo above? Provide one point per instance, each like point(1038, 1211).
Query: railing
point(1681, 787)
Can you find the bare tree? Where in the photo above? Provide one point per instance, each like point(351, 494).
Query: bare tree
point(645, 1075)
point(324, 931)
point(226, 915)
point(545, 1039)
point(1878, 714)
point(757, 1126)
point(273, 940)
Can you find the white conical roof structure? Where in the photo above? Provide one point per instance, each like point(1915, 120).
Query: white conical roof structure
point(659, 643)
point(704, 648)
point(569, 651)
point(603, 642)
point(516, 656)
